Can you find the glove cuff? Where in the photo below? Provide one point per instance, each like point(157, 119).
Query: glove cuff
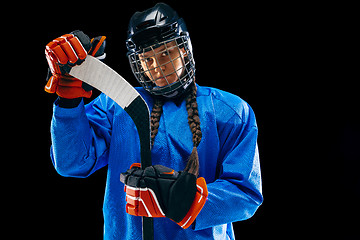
point(98, 47)
point(68, 103)
point(197, 205)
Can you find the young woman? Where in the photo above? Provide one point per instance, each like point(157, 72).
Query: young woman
point(205, 172)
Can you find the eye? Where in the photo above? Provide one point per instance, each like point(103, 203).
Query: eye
point(164, 54)
point(147, 60)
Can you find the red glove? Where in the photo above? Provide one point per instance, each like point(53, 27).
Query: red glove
point(158, 191)
point(65, 52)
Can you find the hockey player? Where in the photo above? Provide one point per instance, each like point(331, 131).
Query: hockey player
point(205, 172)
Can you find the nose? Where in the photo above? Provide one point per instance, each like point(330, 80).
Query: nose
point(157, 65)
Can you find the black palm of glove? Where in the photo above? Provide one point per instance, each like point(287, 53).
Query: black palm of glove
point(158, 191)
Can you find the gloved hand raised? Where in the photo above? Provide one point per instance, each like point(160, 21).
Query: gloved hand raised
point(65, 52)
point(158, 191)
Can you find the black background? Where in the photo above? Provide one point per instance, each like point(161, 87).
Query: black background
point(293, 63)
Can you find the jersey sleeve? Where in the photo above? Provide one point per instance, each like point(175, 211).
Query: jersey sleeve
point(236, 194)
point(80, 138)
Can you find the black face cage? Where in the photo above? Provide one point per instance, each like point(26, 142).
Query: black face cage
point(185, 73)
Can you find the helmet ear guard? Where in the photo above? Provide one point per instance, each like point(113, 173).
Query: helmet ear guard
point(148, 31)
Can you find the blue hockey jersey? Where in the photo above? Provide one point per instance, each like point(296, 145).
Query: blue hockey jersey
point(87, 138)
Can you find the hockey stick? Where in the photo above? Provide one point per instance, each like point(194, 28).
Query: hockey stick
point(100, 76)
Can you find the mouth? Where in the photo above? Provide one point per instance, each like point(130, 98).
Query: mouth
point(161, 81)
point(159, 78)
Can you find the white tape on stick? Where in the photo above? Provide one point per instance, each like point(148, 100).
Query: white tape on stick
point(100, 76)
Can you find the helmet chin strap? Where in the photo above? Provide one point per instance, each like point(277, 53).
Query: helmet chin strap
point(181, 92)
point(178, 96)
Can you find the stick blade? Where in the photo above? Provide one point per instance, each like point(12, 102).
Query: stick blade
point(102, 77)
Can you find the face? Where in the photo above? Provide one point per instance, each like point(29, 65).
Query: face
point(164, 65)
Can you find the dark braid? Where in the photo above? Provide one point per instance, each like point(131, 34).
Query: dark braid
point(194, 124)
point(193, 116)
point(155, 119)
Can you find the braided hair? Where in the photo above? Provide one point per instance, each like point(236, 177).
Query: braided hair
point(192, 165)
